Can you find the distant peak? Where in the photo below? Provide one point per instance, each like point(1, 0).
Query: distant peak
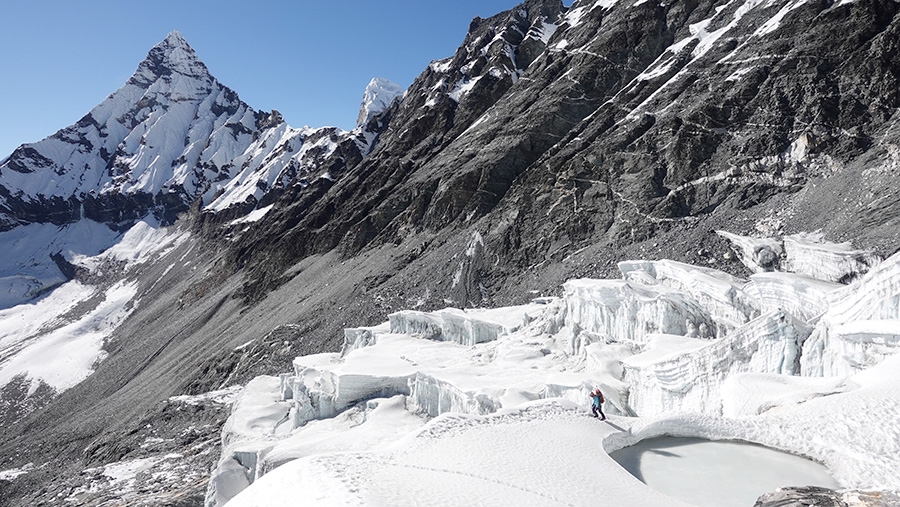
point(176, 39)
point(172, 55)
point(378, 96)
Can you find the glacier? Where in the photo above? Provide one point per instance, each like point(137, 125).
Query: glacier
point(785, 359)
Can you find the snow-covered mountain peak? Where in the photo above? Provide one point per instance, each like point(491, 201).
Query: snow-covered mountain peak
point(378, 96)
point(170, 135)
point(176, 38)
point(172, 55)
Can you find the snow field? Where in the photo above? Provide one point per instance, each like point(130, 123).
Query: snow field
point(28, 268)
point(546, 453)
point(58, 338)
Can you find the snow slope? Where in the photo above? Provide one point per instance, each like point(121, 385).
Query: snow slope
point(29, 270)
point(53, 331)
point(490, 406)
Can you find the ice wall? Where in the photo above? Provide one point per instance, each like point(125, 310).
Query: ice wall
point(806, 254)
point(719, 293)
point(758, 254)
point(811, 255)
point(800, 295)
point(626, 311)
point(690, 381)
point(248, 434)
point(358, 337)
point(466, 327)
point(316, 393)
point(860, 327)
point(433, 397)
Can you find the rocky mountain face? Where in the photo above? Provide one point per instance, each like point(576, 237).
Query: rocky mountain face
point(632, 122)
point(555, 142)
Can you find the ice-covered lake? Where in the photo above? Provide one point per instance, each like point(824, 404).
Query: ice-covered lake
point(717, 473)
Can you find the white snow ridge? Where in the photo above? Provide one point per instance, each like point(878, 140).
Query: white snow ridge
point(490, 407)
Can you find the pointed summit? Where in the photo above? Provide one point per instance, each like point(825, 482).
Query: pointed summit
point(378, 96)
point(171, 56)
point(176, 39)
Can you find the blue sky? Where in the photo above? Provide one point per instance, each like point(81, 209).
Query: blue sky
point(311, 60)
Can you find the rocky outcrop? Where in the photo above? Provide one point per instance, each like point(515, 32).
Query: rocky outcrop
point(629, 122)
point(824, 497)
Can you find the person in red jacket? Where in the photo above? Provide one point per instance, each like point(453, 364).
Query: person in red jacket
point(597, 406)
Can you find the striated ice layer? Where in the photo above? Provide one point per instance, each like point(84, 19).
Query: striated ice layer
point(811, 255)
point(434, 397)
point(627, 311)
point(689, 378)
point(466, 327)
point(860, 327)
point(873, 297)
point(359, 337)
point(800, 295)
point(321, 394)
point(720, 293)
point(847, 349)
point(806, 254)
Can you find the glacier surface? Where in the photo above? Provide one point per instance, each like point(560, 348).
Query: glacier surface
point(784, 359)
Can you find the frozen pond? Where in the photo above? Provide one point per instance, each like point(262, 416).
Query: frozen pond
point(711, 473)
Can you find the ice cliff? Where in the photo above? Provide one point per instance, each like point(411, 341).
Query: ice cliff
point(667, 338)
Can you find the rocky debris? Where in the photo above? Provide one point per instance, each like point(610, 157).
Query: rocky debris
point(277, 350)
point(162, 459)
point(824, 497)
point(17, 400)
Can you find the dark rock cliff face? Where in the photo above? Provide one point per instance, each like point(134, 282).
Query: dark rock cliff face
point(553, 144)
point(751, 117)
point(629, 123)
point(411, 180)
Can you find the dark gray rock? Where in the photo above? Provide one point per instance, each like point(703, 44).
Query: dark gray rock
point(824, 497)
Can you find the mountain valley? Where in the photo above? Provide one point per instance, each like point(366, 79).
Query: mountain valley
point(179, 244)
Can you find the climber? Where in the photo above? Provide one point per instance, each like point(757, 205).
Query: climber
point(597, 406)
